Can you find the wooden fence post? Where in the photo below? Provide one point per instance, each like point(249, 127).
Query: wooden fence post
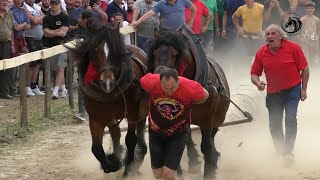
point(70, 81)
point(48, 97)
point(23, 95)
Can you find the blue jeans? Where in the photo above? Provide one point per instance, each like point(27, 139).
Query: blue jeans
point(143, 43)
point(287, 101)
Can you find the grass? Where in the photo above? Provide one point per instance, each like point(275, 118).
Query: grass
point(61, 114)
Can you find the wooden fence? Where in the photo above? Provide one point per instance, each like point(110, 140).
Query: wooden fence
point(45, 54)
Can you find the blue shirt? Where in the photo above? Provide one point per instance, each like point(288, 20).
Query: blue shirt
point(19, 16)
point(231, 7)
point(114, 8)
point(173, 15)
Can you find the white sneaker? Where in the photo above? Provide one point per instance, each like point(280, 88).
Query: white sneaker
point(64, 94)
point(37, 91)
point(29, 91)
point(55, 96)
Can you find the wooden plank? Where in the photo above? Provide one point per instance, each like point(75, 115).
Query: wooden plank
point(127, 30)
point(23, 95)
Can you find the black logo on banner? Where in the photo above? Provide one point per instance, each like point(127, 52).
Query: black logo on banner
point(291, 24)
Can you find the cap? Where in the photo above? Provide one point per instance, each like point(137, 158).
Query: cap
point(56, 1)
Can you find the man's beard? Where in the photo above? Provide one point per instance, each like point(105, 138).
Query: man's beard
point(45, 6)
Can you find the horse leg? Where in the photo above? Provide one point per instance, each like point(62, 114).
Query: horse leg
point(194, 165)
point(116, 135)
point(141, 148)
point(210, 156)
point(131, 141)
point(108, 163)
point(213, 134)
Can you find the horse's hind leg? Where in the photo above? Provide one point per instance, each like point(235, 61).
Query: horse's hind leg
point(97, 130)
point(210, 155)
point(115, 134)
point(194, 165)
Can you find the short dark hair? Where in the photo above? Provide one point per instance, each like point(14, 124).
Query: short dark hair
point(168, 73)
point(117, 14)
point(86, 14)
point(311, 4)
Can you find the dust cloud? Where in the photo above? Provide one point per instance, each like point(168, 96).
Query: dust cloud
point(247, 151)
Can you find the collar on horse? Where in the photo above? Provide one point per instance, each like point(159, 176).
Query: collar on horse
point(202, 68)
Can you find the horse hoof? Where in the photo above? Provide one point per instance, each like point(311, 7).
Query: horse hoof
point(114, 163)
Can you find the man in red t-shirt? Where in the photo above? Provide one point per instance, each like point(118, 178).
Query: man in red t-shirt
point(171, 97)
point(287, 75)
point(198, 27)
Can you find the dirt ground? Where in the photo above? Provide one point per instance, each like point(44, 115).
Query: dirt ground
point(64, 152)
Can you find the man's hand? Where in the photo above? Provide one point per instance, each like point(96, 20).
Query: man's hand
point(190, 25)
point(241, 31)
point(261, 85)
point(224, 34)
point(96, 8)
point(303, 95)
point(13, 49)
point(204, 29)
point(134, 24)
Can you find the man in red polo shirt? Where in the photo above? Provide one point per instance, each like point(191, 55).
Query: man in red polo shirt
point(198, 27)
point(287, 74)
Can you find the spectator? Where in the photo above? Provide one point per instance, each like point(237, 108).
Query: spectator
point(130, 11)
point(34, 42)
point(145, 32)
point(276, 9)
point(199, 28)
point(22, 23)
point(103, 5)
point(73, 14)
point(251, 31)
point(217, 12)
point(55, 28)
point(117, 6)
point(82, 22)
point(45, 7)
point(309, 38)
point(96, 10)
point(118, 19)
point(172, 14)
point(229, 31)
point(299, 7)
point(6, 46)
point(280, 59)
point(208, 35)
point(77, 3)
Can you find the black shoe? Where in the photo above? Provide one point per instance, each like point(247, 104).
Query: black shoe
point(15, 95)
point(6, 96)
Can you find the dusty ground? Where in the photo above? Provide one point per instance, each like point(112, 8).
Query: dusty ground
point(63, 152)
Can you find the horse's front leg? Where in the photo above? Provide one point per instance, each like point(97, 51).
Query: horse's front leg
point(108, 163)
point(131, 141)
point(194, 164)
point(141, 148)
point(210, 155)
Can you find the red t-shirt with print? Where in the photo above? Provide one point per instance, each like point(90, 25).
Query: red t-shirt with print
point(170, 115)
point(202, 10)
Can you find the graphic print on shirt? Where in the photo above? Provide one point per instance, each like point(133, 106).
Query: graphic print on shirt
point(169, 108)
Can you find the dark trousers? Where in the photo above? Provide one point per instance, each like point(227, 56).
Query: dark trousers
point(284, 101)
point(81, 106)
point(7, 77)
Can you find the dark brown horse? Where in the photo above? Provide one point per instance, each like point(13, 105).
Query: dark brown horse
point(173, 50)
point(112, 92)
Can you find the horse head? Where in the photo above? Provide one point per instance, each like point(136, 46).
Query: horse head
point(166, 50)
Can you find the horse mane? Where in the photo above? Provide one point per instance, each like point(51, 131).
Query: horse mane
point(167, 39)
point(84, 51)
